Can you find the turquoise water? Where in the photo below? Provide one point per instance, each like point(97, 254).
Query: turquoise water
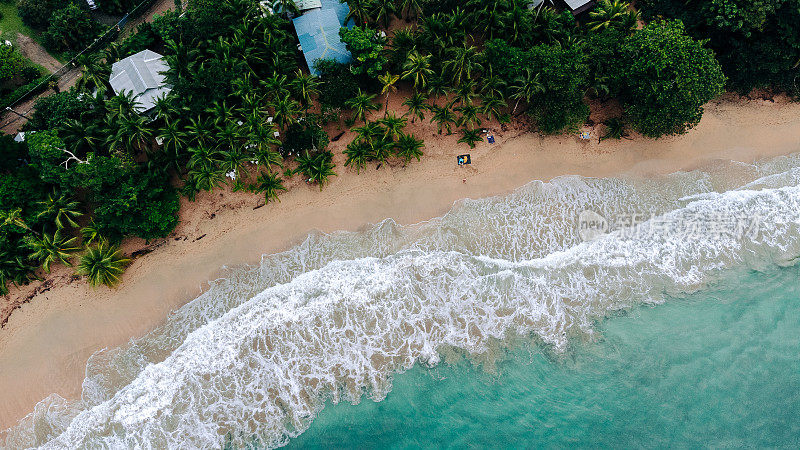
point(719, 368)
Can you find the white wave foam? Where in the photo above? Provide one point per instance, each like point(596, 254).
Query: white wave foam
point(338, 316)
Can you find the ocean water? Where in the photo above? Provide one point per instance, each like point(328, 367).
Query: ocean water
point(719, 368)
point(539, 307)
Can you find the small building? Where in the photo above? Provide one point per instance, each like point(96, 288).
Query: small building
point(576, 7)
point(142, 74)
point(276, 7)
point(579, 6)
point(318, 32)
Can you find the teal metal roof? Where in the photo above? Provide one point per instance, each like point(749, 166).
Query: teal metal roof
point(318, 32)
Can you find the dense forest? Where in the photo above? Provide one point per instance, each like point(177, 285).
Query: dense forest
point(244, 110)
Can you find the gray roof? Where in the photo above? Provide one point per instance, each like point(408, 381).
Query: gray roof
point(141, 74)
point(576, 4)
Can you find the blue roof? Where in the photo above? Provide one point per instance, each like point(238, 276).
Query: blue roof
point(341, 10)
point(318, 32)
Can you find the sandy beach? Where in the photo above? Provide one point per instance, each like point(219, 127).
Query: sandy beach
point(52, 329)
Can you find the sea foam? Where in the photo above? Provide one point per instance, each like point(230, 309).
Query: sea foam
point(258, 355)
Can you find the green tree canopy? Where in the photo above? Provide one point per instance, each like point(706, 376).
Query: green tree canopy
point(366, 46)
point(756, 41)
point(668, 76)
point(71, 28)
point(11, 62)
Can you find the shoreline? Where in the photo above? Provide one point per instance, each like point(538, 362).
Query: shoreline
point(46, 342)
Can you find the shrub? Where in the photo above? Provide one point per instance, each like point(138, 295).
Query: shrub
point(127, 201)
point(54, 110)
point(103, 264)
point(338, 84)
point(37, 13)
point(668, 76)
point(11, 62)
point(306, 135)
point(71, 28)
point(367, 49)
point(30, 73)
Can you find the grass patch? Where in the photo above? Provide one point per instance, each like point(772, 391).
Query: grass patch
point(11, 24)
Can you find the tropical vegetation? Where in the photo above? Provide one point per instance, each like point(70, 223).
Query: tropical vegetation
point(246, 113)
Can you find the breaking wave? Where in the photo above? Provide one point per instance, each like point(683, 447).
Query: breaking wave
point(258, 354)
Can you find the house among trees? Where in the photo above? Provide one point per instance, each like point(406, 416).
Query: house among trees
point(575, 6)
point(318, 32)
point(579, 6)
point(143, 75)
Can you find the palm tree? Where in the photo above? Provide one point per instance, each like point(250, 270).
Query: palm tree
point(200, 130)
point(444, 118)
point(233, 161)
point(123, 105)
point(362, 104)
point(615, 128)
point(393, 125)
point(164, 107)
point(492, 85)
point(270, 184)
point(206, 178)
point(403, 42)
point(517, 20)
point(77, 134)
point(408, 147)
point(14, 268)
point(417, 104)
point(286, 110)
point(358, 153)
point(470, 137)
point(181, 59)
point(613, 14)
point(369, 131)
point(316, 169)
point(90, 233)
point(286, 7)
point(61, 210)
point(204, 171)
point(381, 148)
point(221, 112)
point(49, 248)
point(277, 86)
point(133, 134)
point(260, 143)
point(491, 108)
point(172, 137)
point(359, 12)
point(14, 217)
point(465, 93)
point(462, 63)
point(383, 10)
point(411, 8)
point(388, 83)
point(469, 116)
point(305, 86)
point(525, 87)
point(94, 74)
point(103, 264)
point(438, 87)
point(417, 68)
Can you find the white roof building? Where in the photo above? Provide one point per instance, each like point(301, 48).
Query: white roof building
point(141, 74)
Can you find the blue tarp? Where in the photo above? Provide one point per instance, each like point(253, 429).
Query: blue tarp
point(318, 32)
